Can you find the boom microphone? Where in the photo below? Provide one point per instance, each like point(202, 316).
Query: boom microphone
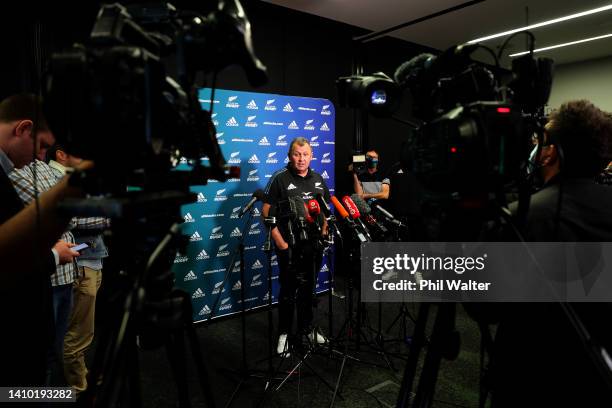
point(388, 216)
point(258, 195)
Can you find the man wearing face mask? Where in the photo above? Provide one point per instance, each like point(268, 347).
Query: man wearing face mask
point(370, 184)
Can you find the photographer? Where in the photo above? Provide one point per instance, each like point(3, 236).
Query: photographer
point(299, 259)
point(370, 184)
point(539, 356)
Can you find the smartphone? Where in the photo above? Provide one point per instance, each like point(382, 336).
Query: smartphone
point(80, 247)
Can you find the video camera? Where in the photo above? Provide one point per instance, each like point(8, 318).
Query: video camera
point(476, 121)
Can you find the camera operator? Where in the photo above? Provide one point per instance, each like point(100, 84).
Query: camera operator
point(299, 259)
point(370, 184)
point(539, 358)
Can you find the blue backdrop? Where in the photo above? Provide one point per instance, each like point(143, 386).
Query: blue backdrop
point(254, 131)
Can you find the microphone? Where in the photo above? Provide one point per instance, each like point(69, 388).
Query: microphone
point(340, 209)
point(388, 216)
point(355, 215)
point(323, 205)
point(313, 212)
point(366, 211)
point(300, 211)
point(258, 195)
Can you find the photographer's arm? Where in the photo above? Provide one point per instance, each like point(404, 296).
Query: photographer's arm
point(383, 194)
point(276, 235)
point(357, 185)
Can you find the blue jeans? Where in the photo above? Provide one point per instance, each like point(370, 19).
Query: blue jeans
point(62, 306)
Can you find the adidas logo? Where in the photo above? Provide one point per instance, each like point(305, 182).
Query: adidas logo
point(254, 229)
point(325, 175)
point(269, 105)
point(235, 212)
point(324, 127)
point(219, 140)
point(325, 110)
point(205, 310)
point(201, 198)
point(256, 281)
point(236, 233)
point(257, 265)
point(271, 158)
point(318, 185)
point(256, 212)
point(197, 294)
point(225, 304)
point(237, 286)
point(308, 125)
point(231, 122)
point(190, 276)
point(291, 187)
point(231, 102)
point(253, 175)
point(254, 159)
point(324, 268)
point(217, 288)
point(234, 159)
point(180, 259)
point(195, 237)
point(287, 108)
point(400, 171)
point(202, 255)
point(220, 196)
point(293, 125)
point(188, 218)
point(264, 142)
point(250, 123)
point(326, 158)
point(222, 251)
point(251, 105)
point(216, 233)
point(280, 141)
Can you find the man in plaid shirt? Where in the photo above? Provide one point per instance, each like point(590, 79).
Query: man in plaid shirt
point(29, 181)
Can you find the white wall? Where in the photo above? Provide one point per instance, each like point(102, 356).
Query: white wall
point(591, 80)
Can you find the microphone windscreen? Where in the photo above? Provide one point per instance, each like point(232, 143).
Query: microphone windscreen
point(411, 70)
point(351, 207)
point(362, 206)
point(313, 207)
point(259, 194)
point(299, 207)
point(339, 208)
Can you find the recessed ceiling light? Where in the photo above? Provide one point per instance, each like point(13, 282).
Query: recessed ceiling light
point(543, 23)
point(562, 45)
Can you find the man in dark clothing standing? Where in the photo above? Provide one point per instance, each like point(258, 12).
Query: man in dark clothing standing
point(297, 242)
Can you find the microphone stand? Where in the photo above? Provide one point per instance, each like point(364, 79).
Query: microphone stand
point(270, 223)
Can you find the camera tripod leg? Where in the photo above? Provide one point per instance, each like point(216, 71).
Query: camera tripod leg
point(198, 359)
point(175, 350)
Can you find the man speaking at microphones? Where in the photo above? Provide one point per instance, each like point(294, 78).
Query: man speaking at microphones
point(299, 259)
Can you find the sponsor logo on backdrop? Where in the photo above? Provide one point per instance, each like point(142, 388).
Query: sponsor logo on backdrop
point(235, 212)
point(327, 142)
point(308, 125)
point(325, 175)
point(232, 122)
point(242, 140)
point(252, 105)
point(324, 127)
point(254, 159)
point(280, 141)
point(303, 108)
point(213, 271)
point(253, 175)
point(264, 141)
point(233, 180)
point(212, 215)
point(257, 265)
point(287, 108)
point(254, 229)
point(270, 105)
point(271, 158)
point(266, 297)
point(180, 259)
point(216, 233)
point(207, 101)
point(202, 255)
point(201, 198)
point(268, 176)
point(326, 158)
point(324, 268)
point(237, 286)
point(286, 160)
point(243, 195)
point(256, 281)
point(222, 251)
point(236, 233)
point(195, 237)
point(325, 110)
point(249, 248)
point(226, 304)
point(274, 260)
point(197, 294)
point(293, 125)
point(232, 102)
point(215, 121)
point(205, 311)
point(190, 276)
point(248, 299)
point(256, 212)
point(219, 138)
point(268, 123)
point(220, 196)
point(236, 267)
point(250, 122)
point(188, 218)
point(314, 141)
point(234, 158)
point(217, 288)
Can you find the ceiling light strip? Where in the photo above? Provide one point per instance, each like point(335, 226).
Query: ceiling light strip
point(543, 23)
point(562, 45)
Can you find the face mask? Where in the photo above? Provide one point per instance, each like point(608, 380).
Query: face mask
point(371, 163)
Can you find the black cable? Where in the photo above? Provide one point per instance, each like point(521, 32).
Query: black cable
point(505, 43)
